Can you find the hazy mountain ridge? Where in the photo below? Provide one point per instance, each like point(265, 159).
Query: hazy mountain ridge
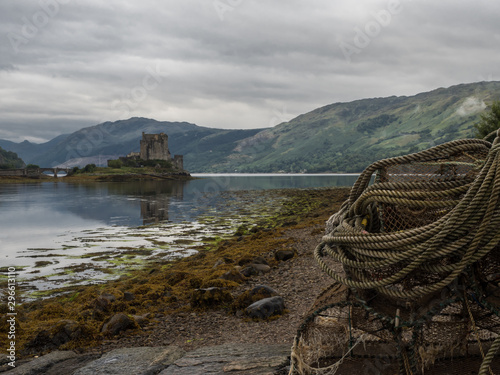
point(340, 137)
point(97, 144)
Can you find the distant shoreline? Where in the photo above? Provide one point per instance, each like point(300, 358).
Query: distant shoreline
point(112, 176)
point(236, 174)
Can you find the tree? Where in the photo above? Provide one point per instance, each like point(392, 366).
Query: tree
point(89, 168)
point(490, 121)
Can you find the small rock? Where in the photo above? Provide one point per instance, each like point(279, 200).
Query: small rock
point(142, 320)
point(110, 297)
point(255, 229)
point(210, 297)
point(263, 291)
point(241, 231)
point(266, 308)
point(234, 275)
point(219, 262)
point(4, 359)
point(260, 260)
point(255, 269)
point(247, 298)
point(101, 304)
point(57, 335)
point(41, 340)
point(66, 330)
point(118, 323)
point(222, 261)
point(284, 255)
point(127, 296)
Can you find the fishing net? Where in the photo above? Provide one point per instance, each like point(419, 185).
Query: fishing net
point(415, 260)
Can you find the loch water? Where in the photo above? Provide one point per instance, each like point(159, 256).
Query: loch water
point(47, 230)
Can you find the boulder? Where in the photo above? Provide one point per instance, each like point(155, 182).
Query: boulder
point(118, 323)
point(265, 308)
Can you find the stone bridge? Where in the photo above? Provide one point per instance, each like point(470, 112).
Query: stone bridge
point(55, 171)
point(32, 172)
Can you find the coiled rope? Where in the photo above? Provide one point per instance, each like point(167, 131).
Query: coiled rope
point(446, 246)
point(466, 232)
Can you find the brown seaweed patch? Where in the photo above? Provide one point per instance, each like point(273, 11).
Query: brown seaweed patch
point(44, 256)
point(168, 286)
point(43, 263)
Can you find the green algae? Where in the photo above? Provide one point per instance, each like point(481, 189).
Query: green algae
point(246, 213)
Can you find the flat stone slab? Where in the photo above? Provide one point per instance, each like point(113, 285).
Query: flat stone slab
point(240, 359)
point(133, 361)
point(42, 364)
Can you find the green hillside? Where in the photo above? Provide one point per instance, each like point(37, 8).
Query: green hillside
point(10, 160)
point(346, 137)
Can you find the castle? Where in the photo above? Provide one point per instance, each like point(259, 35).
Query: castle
point(155, 147)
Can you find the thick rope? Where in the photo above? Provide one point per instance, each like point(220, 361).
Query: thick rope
point(464, 234)
point(461, 228)
point(485, 366)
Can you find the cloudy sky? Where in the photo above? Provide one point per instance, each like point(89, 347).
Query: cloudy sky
point(67, 64)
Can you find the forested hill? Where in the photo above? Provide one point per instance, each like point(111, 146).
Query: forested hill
point(346, 137)
point(9, 159)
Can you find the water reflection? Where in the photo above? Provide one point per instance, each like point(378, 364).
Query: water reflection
point(138, 202)
point(33, 214)
point(65, 222)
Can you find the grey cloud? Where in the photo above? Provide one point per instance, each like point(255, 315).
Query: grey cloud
point(90, 61)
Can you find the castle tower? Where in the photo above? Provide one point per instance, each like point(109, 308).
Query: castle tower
point(155, 147)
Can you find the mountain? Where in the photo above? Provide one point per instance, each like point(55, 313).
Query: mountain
point(9, 159)
point(97, 144)
point(30, 151)
point(340, 137)
point(346, 137)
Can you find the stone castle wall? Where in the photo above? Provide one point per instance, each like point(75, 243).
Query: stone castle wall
point(155, 147)
point(179, 162)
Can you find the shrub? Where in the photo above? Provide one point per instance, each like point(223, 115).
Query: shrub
point(89, 168)
point(490, 121)
point(115, 163)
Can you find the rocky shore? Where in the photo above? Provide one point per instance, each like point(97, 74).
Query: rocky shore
point(244, 322)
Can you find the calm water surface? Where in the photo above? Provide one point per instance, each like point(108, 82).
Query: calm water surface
point(58, 222)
